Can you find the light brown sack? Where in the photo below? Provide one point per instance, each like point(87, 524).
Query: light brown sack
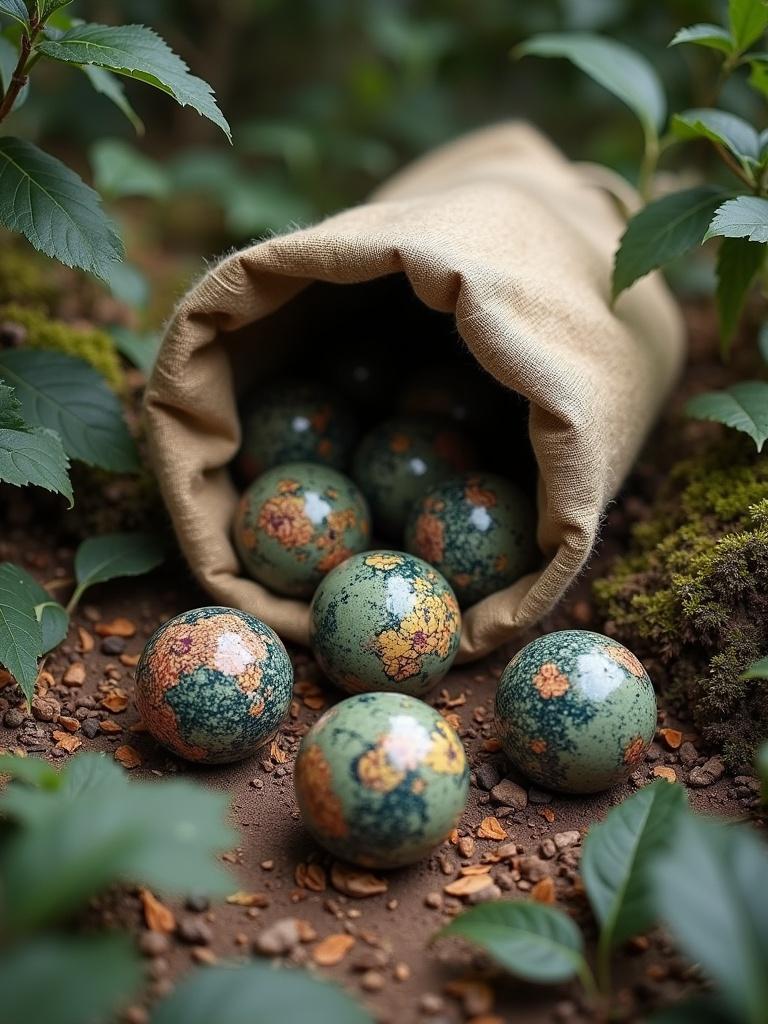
point(497, 228)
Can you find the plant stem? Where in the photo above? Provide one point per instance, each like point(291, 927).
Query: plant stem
point(648, 166)
point(603, 964)
point(20, 72)
point(72, 603)
point(733, 166)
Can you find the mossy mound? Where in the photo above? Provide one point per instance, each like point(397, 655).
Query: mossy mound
point(692, 593)
point(40, 331)
point(23, 277)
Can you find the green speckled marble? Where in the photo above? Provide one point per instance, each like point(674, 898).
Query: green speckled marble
point(478, 530)
point(214, 684)
point(297, 522)
point(399, 459)
point(384, 620)
point(294, 421)
point(575, 711)
point(381, 779)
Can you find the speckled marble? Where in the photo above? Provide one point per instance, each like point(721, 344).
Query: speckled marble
point(478, 530)
point(399, 459)
point(297, 522)
point(213, 684)
point(575, 711)
point(381, 779)
point(384, 620)
point(294, 421)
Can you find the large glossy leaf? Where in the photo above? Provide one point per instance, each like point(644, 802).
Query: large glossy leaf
point(141, 349)
point(106, 829)
point(10, 409)
point(67, 979)
point(257, 994)
point(530, 940)
point(738, 262)
point(21, 636)
point(665, 229)
point(108, 85)
point(34, 456)
point(616, 67)
point(709, 887)
point(120, 170)
point(32, 770)
point(742, 217)
point(53, 618)
point(15, 9)
point(743, 406)
point(99, 559)
point(722, 128)
point(713, 36)
point(54, 209)
point(67, 395)
point(618, 853)
point(748, 20)
point(138, 52)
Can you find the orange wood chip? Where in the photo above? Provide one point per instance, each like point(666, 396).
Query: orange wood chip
point(310, 876)
point(65, 741)
point(332, 949)
point(115, 701)
point(85, 640)
point(307, 932)
point(491, 828)
point(276, 753)
point(672, 737)
point(157, 917)
point(117, 627)
point(491, 746)
point(547, 813)
point(248, 899)
point(128, 756)
point(663, 771)
point(467, 885)
point(75, 674)
point(452, 719)
point(70, 724)
point(315, 701)
point(353, 882)
point(129, 660)
point(109, 726)
point(544, 891)
point(474, 993)
point(476, 869)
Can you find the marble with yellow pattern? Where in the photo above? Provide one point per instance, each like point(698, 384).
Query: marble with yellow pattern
point(385, 620)
point(381, 779)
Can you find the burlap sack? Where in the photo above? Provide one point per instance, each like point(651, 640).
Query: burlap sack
point(498, 229)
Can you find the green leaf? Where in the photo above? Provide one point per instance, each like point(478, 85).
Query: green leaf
point(35, 456)
point(99, 559)
point(257, 994)
point(758, 76)
point(21, 636)
point(138, 52)
point(530, 940)
point(748, 20)
point(31, 770)
point(762, 341)
point(663, 230)
point(15, 9)
point(51, 6)
point(713, 36)
point(742, 217)
point(722, 128)
point(54, 209)
point(108, 85)
point(10, 410)
point(616, 67)
point(738, 261)
point(68, 979)
point(617, 856)
point(129, 285)
point(105, 830)
point(743, 406)
point(709, 887)
point(757, 670)
point(67, 395)
point(141, 349)
point(120, 170)
point(53, 619)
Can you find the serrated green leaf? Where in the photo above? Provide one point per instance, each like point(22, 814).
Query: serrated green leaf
point(722, 128)
point(52, 617)
point(738, 262)
point(21, 636)
point(709, 887)
point(530, 940)
point(31, 770)
point(10, 410)
point(141, 349)
point(743, 406)
point(108, 85)
point(54, 209)
point(663, 230)
point(757, 670)
point(67, 395)
point(104, 558)
point(617, 856)
point(138, 52)
point(620, 70)
point(51, 6)
point(258, 994)
point(742, 217)
point(35, 456)
point(68, 979)
point(106, 829)
point(748, 20)
point(119, 170)
point(713, 36)
point(15, 9)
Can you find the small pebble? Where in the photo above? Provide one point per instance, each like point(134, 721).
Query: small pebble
point(372, 981)
point(153, 943)
point(13, 718)
point(194, 931)
point(112, 645)
point(279, 938)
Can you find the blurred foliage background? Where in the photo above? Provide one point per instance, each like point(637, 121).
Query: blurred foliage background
point(328, 97)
